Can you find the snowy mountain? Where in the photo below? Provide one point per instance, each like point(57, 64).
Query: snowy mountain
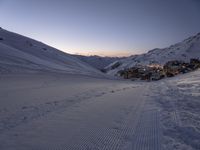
point(98, 62)
point(22, 54)
point(189, 48)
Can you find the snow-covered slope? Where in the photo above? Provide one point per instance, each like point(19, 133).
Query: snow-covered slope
point(98, 62)
point(179, 102)
point(189, 48)
point(22, 54)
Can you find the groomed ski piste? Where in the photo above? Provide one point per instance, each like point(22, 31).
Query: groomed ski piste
point(61, 112)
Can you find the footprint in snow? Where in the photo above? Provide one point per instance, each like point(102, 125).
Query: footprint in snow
point(24, 107)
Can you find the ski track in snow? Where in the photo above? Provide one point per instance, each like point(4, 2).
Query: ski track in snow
point(100, 115)
point(99, 119)
point(104, 139)
point(29, 113)
point(147, 136)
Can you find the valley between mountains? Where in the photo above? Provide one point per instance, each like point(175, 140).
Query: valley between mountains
point(51, 100)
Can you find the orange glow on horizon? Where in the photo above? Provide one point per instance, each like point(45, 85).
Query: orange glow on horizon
point(90, 52)
point(102, 53)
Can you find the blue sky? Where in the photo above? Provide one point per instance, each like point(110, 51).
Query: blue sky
point(103, 27)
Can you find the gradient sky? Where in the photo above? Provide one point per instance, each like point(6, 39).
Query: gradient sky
point(103, 27)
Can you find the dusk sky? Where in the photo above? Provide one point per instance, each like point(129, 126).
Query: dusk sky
point(103, 27)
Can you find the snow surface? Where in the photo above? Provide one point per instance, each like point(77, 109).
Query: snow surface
point(62, 111)
point(185, 50)
point(179, 101)
point(22, 54)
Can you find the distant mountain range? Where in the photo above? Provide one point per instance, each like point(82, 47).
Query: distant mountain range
point(185, 50)
point(98, 62)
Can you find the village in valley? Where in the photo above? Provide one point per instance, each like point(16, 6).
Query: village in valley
point(156, 72)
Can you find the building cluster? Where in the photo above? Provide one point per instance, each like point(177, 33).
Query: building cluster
point(157, 72)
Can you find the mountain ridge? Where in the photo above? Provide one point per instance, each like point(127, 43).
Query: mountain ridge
point(185, 50)
point(98, 62)
point(22, 54)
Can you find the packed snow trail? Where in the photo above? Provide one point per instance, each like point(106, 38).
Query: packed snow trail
point(147, 136)
point(111, 117)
